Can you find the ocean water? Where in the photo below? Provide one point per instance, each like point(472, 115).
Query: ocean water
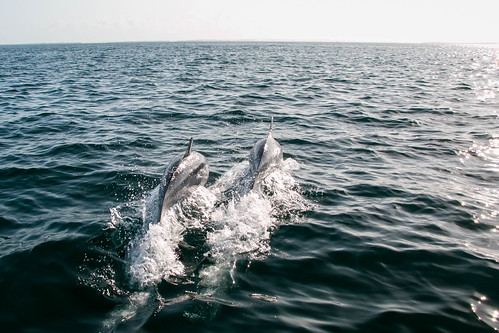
point(382, 218)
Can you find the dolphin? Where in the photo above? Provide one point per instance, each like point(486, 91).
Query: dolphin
point(183, 173)
point(265, 157)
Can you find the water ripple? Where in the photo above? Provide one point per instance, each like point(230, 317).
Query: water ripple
point(397, 148)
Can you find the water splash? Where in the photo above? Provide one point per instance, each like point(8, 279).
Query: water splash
point(155, 255)
point(241, 229)
point(202, 238)
point(233, 221)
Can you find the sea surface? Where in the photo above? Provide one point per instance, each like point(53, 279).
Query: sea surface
point(383, 216)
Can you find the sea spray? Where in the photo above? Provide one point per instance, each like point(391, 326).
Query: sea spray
point(242, 228)
point(155, 255)
point(201, 239)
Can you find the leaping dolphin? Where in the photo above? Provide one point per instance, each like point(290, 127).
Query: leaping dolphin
point(180, 176)
point(265, 156)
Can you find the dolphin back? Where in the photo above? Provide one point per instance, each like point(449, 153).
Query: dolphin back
point(265, 155)
point(184, 172)
point(191, 171)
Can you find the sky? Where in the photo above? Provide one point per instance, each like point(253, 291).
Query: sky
point(94, 21)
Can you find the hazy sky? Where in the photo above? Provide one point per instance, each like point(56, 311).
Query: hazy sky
point(47, 21)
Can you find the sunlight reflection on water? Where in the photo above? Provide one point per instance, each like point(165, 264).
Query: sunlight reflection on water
point(484, 311)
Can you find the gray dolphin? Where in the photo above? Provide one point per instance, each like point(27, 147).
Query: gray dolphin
point(265, 156)
point(184, 172)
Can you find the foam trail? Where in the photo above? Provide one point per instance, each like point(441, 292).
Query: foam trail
point(154, 256)
point(206, 234)
point(241, 228)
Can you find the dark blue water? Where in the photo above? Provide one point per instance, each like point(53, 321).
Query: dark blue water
point(383, 217)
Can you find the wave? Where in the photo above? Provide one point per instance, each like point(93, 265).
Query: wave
point(401, 164)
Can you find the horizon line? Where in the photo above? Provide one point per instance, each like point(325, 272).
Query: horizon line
point(251, 41)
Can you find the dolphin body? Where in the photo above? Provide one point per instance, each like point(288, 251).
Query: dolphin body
point(265, 157)
point(183, 173)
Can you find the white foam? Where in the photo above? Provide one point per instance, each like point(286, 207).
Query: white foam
point(153, 256)
point(236, 221)
point(242, 227)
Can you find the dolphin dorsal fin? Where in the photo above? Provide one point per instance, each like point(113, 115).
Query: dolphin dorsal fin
point(189, 149)
point(271, 125)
